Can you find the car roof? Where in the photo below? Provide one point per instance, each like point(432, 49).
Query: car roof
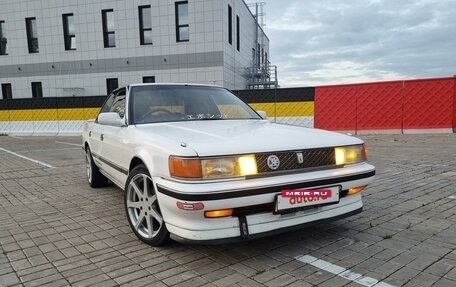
point(173, 84)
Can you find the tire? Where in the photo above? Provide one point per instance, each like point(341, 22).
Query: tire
point(142, 208)
point(94, 176)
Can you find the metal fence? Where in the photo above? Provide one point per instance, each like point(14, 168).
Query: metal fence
point(396, 106)
point(47, 116)
point(66, 115)
point(408, 106)
point(293, 106)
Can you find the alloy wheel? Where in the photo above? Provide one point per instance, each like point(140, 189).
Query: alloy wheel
point(142, 206)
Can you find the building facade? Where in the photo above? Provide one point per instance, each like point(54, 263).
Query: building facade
point(53, 48)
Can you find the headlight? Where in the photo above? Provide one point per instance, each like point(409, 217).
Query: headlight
point(212, 168)
point(350, 154)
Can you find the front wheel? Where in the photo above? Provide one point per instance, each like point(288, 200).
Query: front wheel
point(143, 211)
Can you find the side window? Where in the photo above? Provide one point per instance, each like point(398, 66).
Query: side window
point(108, 104)
point(118, 105)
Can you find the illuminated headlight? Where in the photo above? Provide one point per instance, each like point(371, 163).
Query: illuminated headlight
point(350, 154)
point(229, 166)
point(212, 168)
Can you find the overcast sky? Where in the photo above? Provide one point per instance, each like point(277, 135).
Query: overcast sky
point(315, 42)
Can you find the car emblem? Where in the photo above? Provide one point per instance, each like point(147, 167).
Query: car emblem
point(300, 157)
point(273, 162)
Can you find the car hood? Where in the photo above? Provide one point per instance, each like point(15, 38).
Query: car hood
point(223, 137)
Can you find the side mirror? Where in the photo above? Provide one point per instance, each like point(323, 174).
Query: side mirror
point(262, 114)
point(110, 119)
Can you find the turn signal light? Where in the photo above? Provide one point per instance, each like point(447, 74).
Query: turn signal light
point(185, 167)
point(356, 190)
point(218, 213)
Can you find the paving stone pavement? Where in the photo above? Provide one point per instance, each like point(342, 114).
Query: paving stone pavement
point(57, 231)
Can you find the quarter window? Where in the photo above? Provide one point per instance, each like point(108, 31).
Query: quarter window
point(182, 28)
point(32, 35)
point(69, 36)
point(145, 25)
point(109, 34)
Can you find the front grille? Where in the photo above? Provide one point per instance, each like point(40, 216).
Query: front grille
point(289, 160)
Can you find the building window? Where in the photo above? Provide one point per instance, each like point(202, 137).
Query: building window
point(3, 40)
point(238, 33)
point(253, 56)
point(32, 35)
point(258, 56)
point(230, 25)
point(182, 33)
point(111, 85)
point(149, 79)
point(37, 90)
point(109, 35)
point(68, 32)
point(6, 91)
point(145, 25)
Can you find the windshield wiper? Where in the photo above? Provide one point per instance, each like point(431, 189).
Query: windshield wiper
point(208, 119)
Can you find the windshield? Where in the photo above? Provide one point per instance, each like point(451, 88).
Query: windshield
point(160, 103)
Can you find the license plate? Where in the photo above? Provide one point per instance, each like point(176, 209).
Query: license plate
point(298, 199)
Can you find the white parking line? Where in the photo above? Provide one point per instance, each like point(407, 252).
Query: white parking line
point(342, 272)
point(27, 158)
point(15, 137)
point(79, 145)
point(54, 149)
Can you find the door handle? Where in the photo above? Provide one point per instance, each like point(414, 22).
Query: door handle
point(101, 137)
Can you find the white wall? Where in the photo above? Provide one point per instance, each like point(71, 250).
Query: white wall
point(207, 35)
point(236, 62)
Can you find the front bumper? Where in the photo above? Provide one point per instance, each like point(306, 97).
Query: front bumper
point(192, 226)
point(263, 234)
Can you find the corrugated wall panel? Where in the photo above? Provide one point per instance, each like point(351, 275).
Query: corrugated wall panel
point(454, 104)
point(379, 106)
point(428, 104)
point(335, 108)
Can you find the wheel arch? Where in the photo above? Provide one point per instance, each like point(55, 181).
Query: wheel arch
point(135, 161)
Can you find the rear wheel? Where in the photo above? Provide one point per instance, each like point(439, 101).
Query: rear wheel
point(142, 208)
point(94, 176)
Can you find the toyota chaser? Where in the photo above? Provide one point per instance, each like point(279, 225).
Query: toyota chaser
point(199, 165)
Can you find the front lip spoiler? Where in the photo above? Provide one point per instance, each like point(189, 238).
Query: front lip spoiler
point(264, 234)
point(262, 190)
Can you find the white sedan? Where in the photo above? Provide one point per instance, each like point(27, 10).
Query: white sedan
point(199, 165)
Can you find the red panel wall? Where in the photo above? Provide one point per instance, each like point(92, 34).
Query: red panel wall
point(335, 108)
point(379, 106)
point(428, 104)
point(399, 105)
point(454, 105)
